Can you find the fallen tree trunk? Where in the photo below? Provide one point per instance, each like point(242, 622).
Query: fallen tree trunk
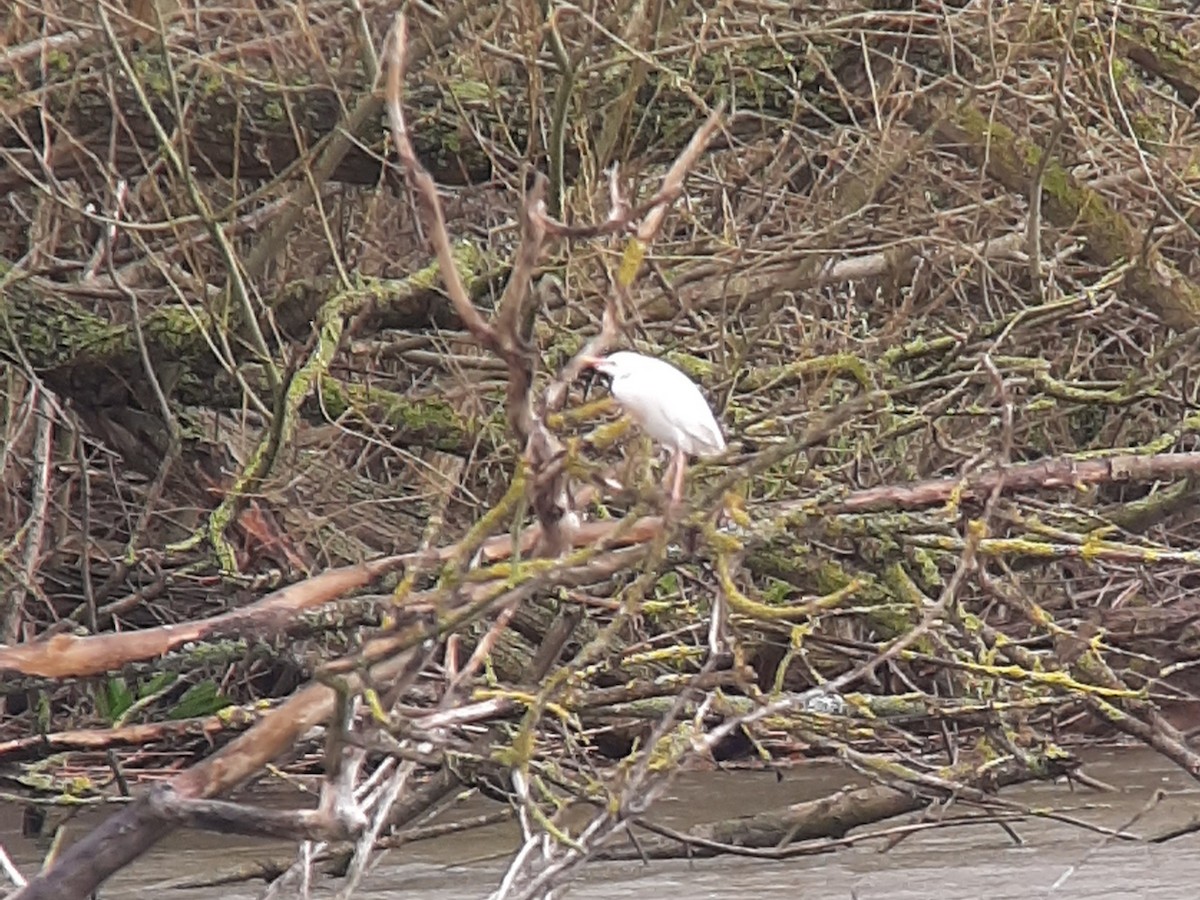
point(835, 815)
point(1112, 239)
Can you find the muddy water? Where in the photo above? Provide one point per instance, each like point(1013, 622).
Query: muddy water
point(1055, 860)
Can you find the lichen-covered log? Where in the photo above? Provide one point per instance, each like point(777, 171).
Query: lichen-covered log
point(1112, 239)
point(255, 118)
point(1152, 47)
point(247, 115)
point(92, 355)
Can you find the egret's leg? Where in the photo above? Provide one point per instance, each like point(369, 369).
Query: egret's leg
point(669, 472)
point(680, 468)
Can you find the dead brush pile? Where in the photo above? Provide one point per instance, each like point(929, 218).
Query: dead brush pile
point(934, 264)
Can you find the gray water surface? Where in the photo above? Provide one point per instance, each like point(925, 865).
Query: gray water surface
point(1056, 860)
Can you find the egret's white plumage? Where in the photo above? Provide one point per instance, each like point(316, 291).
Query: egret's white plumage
point(666, 404)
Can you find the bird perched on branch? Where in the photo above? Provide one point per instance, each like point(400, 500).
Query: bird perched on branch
point(666, 404)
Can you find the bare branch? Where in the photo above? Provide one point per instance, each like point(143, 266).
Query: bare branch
point(612, 322)
point(672, 185)
point(426, 191)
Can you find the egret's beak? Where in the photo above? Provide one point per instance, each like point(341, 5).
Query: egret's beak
point(590, 373)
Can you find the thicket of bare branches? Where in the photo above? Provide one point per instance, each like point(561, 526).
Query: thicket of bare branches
point(293, 314)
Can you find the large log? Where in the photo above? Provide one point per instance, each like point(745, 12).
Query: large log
point(252, 120)
point(89, 351)
point(251, 106)
point(828, 819)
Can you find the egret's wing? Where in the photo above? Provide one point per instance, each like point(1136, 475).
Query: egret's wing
point(667, 404)
point(707, 437)
point(690, 413)
point(704, 432)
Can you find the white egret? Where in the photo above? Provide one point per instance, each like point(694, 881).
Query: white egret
point(667, 405)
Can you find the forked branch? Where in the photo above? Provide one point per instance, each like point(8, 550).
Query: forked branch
point(653, 214)
point(506, 333)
